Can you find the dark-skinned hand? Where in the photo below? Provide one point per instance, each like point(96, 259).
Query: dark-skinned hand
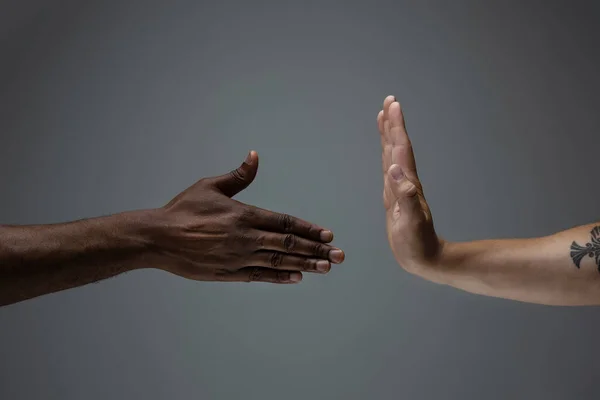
point(204, 234)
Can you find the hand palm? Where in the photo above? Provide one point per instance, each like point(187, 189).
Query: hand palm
point(410, 228)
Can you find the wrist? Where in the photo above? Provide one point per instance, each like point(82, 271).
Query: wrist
point(136, 233)
point(440, 269)
point(456, 262)
point(122, 240)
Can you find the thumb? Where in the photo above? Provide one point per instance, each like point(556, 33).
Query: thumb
point(405, 193)
point(238, 179)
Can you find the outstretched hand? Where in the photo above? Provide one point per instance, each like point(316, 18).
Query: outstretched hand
point(410, 229)
point(204, 234)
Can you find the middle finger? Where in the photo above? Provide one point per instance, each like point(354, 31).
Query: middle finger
point(293, 244)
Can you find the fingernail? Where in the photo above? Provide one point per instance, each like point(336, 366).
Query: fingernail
point(336, 255)
point(295, 277)
point(396, 172)
point(249, 159)
point(326, 236)
point(322, 266)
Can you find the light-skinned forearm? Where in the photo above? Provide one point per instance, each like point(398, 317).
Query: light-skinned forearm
point(539, 270)
point(42, 259)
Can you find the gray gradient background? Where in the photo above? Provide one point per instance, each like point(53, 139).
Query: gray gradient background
point(111, 106)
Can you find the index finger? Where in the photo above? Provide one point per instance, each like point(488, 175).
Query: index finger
point(284, 223)
point(402, 152)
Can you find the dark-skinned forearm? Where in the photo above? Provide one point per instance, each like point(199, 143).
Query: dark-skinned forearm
point(42, 259)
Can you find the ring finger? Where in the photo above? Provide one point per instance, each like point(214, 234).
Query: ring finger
point(288, 262)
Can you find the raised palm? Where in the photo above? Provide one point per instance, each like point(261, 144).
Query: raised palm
point(410, 229)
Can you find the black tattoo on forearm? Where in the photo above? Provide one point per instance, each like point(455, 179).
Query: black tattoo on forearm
point(591, 249)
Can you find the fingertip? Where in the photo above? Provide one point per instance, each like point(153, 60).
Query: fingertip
point(252, 158)
point(323, 266)
point(326, 236)
point(337, 256)
point(295, 277)
point(381, 123)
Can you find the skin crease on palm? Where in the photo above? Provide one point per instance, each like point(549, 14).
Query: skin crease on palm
point(409, 223)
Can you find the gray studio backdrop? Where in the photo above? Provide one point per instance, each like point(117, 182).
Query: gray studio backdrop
point(116, 105)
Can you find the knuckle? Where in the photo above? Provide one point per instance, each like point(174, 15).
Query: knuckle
point(221, 275)
point(289, 242)
point(285, 221)
point(232, 232)
point(259, 241)
point(242, 240)
point(314, 232)
point(309, 265)
point(320, 250)
point(255, 274)
point(237, 175)
point(276, 259)
point(282, 276)
point(246, 215)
